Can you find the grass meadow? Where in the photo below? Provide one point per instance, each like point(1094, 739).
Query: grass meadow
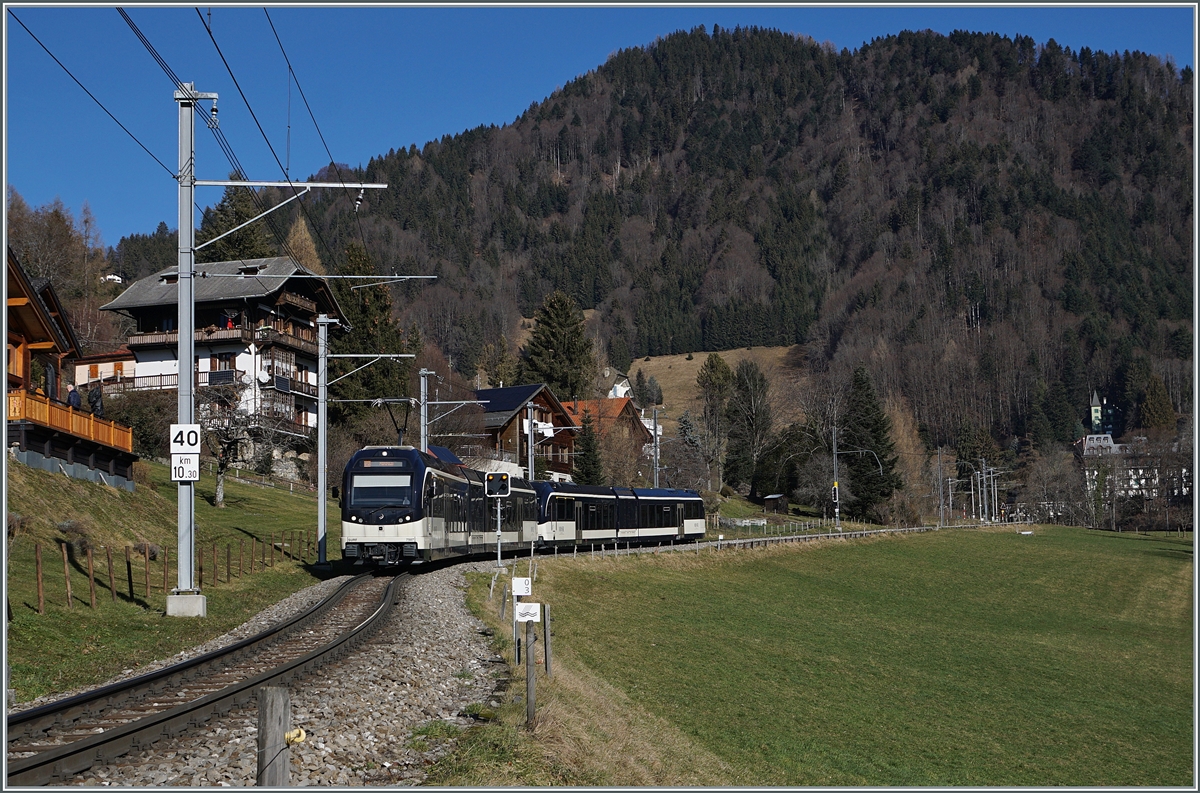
point(63, 648)
point(961, 657)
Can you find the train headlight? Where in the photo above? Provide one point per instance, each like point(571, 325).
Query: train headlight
point(407, 518)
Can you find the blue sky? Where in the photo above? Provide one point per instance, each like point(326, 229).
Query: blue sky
point(384, 77)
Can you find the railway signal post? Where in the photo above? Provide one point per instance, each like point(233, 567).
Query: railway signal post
point(496, 485)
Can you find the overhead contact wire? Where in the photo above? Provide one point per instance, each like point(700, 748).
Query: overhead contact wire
point(93, 97)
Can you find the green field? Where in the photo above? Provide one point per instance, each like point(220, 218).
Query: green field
point(948, 658)
point(67, 648)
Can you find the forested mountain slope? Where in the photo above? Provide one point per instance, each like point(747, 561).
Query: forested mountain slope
point(993, 227)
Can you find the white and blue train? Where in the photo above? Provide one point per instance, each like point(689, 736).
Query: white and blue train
point(402, 505)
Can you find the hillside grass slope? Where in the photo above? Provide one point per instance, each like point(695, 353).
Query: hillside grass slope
point(66, 648)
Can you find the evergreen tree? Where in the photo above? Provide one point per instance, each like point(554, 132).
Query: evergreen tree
point(368, 312)
point(866, 427)
point(559, 353)
point(1157, 411)
point(589, 468)
point(653, 391)
point(235, 207)
point(639, 389)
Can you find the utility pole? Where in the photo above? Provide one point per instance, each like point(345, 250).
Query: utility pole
point(941, 492)
point(323, 323)
point(983, 490)
point(655, 447)
point(424, 373)
point(529, 433)
point(186, 600)
point(837, 505)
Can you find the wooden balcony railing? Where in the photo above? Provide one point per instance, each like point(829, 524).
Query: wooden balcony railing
point(23, 405)
point(163, 382)
point(171, 337)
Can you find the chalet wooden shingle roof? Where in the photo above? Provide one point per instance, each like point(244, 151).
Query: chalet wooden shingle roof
point(260, 278)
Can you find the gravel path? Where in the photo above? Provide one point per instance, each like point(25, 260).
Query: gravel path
point(426, 665)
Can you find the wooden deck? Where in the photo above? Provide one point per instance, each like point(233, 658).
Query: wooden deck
point(23, 405)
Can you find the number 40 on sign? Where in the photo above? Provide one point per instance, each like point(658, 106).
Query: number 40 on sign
point(185, 452)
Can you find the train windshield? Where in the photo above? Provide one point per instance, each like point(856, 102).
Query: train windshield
point(381, 490)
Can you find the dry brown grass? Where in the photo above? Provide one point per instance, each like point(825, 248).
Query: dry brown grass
point(677, 376)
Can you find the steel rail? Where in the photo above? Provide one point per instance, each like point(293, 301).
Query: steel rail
point(64, 761)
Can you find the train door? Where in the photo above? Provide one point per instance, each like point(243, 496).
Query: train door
point(579, 507)
point(679, 513)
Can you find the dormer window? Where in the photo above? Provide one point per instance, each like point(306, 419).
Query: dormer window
point(249, 269)
point(169, 278)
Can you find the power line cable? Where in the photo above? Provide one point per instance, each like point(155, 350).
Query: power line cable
point(93, 97)
point(261, 131)
point(218, 134)
point(313, 116)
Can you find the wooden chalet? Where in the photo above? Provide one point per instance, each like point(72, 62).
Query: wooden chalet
point(504, 420)
point(43, 431)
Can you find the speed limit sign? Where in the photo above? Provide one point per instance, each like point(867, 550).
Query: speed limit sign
point(185, 439)
point(185, 452)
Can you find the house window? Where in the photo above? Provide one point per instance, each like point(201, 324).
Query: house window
point(223, 361)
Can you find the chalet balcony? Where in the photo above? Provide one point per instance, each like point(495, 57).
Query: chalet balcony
point(268, 335)
point(289, 385)
point(41, 411)
point(170, 382)
point(170, 338)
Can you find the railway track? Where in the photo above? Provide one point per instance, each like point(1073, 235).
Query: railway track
point(55, 741)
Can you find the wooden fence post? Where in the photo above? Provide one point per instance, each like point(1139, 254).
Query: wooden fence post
point(530, 677)
point(91, 579)
point(228, 563)
point(166, 567)
point(112, 583)
point(66, 572)
point(263, 565)
point(37, 552)
point(546, 634)
point(216, 567)
point(200, 569)
point(241, 556)
point(253, 545)
point(129, 571)
point(274, 721)
point(146, 569)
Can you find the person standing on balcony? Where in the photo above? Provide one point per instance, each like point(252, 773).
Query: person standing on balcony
point(96, 400)
point(73, 398)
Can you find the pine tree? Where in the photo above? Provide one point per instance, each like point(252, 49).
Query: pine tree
point(653, 391)
point(235, 207)
point(559, 353)
point(866, 427)
point(368, 311)
point(1157, 411)
point(639, 389)
point(589, 467)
